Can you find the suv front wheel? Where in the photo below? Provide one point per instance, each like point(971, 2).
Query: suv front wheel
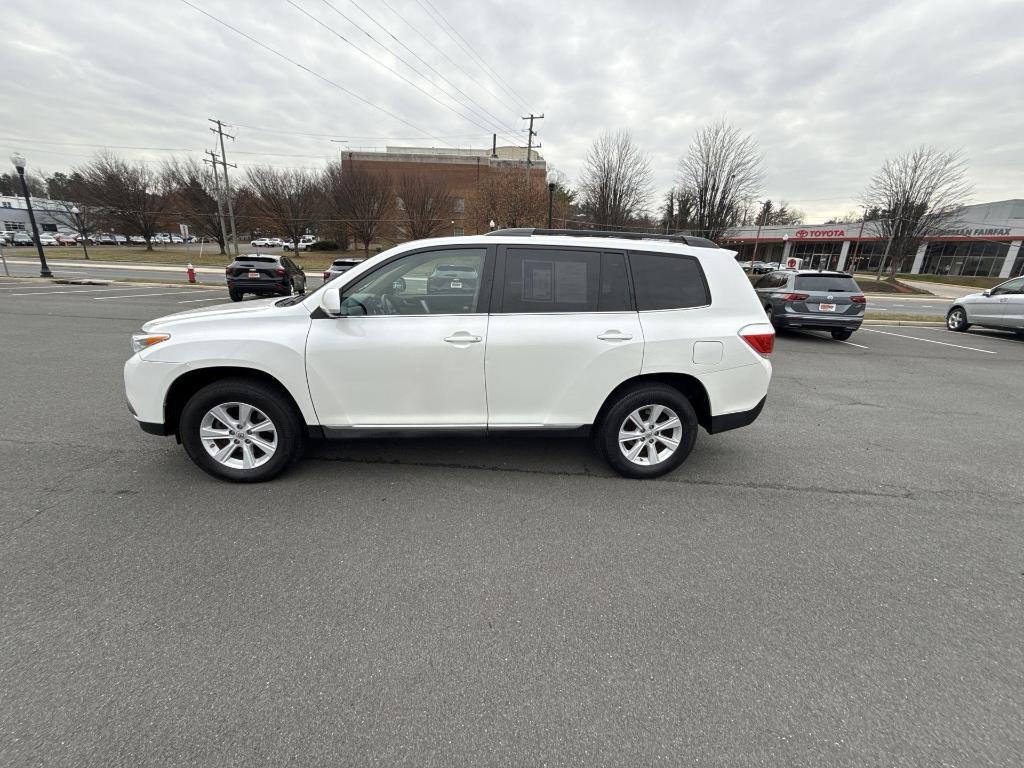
point(648, 431)
point(240, 430)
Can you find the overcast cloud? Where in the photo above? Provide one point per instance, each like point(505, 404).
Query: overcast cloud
point(827, 89)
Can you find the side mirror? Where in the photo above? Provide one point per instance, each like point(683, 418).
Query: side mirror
point(987, 292)
point(330, 302)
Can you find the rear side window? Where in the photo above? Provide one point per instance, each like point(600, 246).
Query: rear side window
point(551, 280)
point(664, 281)
point(829, 283)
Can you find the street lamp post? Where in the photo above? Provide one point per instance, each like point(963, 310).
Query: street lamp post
point(552, 179)
point(81, 231)
point(18, 160)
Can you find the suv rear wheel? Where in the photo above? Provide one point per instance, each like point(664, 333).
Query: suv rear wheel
point(842, 334)
point(241, 430)
point(648, 431)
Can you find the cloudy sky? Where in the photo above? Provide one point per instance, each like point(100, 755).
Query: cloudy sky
point(828, 89)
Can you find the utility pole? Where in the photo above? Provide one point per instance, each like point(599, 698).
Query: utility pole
point(219, 130)
point(529, 142)
point(220, 203)
point(757, 238)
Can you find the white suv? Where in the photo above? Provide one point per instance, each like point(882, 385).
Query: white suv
point(635, 339)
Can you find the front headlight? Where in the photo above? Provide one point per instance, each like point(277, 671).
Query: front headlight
point(141, 341)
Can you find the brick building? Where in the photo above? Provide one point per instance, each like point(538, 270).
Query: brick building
point(465, 172)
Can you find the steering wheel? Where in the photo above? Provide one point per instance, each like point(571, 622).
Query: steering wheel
point(387, 306)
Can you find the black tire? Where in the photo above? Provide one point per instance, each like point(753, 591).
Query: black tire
point(956, 319)
point(269, 400)
point(842, 335)
point(236, 295)
point(607, 433)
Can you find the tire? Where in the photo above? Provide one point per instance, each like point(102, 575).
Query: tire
point(842, 335)
point(637, 403)
point(217, 409)
point(770, 315)
point(236, 295)
point(956, 319)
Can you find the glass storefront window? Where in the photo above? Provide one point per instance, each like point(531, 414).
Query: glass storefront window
point(972, 258)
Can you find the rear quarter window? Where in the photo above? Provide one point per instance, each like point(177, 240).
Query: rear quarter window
point(668, 281)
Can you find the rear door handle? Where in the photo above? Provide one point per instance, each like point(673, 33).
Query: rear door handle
point(614, 336)
point(463, 338)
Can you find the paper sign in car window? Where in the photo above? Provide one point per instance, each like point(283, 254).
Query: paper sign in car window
point(537, 280)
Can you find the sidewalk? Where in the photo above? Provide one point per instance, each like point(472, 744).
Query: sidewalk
point(945, 291)
point(57, 263)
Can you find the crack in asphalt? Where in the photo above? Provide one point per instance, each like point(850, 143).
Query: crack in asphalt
point(752, 485)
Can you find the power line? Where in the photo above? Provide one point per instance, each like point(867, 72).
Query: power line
point(304, 68)
point(445, 26)
point(450, 60)
point(419, 58)
point(380, 63)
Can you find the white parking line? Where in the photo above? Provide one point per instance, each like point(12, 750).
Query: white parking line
point(850, 343)
point(97, 289)
point(930, 341)
point(214, 298)
point(143, 295)
point(962, 334)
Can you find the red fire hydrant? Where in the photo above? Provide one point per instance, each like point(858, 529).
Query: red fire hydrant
point(191, 272)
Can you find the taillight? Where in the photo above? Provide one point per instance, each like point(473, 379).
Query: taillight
point(859, 299)
point(327, 276)
point(796, 296)
point(227, 270)
point(762, 342)
point(280, 272)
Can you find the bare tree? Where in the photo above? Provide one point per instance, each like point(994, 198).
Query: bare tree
point(130, 195)
point(504, 197)
point(677, 210)
point(68, 209)
point(426, 204)
point(917, 193)
point(194, 189)
point(616, 185)
point(361, 198)
point(770, 214)
point(722, 171)
point(288, 199)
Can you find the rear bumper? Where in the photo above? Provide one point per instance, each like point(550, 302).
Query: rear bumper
point(728, 421)
point(816, 320)
point(260, 286)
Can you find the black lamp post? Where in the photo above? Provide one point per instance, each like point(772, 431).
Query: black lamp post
point(552, 178)
point(81, 232)
point(19, 163)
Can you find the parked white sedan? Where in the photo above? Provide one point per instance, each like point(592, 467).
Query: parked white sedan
point(1000, 307)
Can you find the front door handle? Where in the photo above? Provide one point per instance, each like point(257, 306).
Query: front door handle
point(614, 336)
point(463, 338)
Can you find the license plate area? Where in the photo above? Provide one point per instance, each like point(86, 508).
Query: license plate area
point(254, 273)
point(826, 307)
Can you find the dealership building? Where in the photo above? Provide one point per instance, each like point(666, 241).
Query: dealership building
point(981, 240)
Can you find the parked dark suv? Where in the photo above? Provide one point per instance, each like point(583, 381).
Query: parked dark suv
point(264, 275)
point(812, 300)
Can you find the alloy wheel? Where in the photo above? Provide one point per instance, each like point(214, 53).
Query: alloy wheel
point(650, 435)
point(238, 435)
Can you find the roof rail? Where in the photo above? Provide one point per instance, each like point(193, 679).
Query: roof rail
point(698, 242)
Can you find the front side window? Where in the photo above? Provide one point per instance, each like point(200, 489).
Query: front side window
point(444, 282)
point(1010, 286)
point(667, 281)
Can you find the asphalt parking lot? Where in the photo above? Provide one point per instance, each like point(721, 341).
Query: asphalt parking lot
point(842, 583)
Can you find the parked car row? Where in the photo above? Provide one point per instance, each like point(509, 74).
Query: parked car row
point(304, 243)
point(759, 267)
